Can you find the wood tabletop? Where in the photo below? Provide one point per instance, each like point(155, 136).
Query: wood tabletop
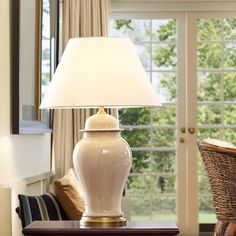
point(67, 228)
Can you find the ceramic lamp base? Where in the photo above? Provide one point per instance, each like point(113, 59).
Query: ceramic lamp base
point(102, 159)
point(103, 221)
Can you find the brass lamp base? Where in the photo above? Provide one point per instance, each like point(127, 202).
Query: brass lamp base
point(103, 221)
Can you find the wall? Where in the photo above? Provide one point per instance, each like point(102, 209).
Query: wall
point(21, 156)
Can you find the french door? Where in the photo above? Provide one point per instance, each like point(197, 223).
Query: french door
point(211, 92)
point(188, 59)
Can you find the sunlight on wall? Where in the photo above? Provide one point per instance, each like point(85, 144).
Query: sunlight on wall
point(7, 166)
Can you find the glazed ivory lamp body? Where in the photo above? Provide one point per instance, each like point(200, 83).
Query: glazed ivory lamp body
point(103, 160)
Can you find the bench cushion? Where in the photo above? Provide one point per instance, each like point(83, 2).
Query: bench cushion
point(44, 207)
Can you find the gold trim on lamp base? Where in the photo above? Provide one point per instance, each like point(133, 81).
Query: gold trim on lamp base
point(103, 221)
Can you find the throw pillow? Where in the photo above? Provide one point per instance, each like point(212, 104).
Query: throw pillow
point(70, 194)
point(44, 207)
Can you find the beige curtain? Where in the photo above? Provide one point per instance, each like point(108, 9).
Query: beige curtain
point(81, 18)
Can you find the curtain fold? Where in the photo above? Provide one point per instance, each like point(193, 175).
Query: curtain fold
point(80, 18)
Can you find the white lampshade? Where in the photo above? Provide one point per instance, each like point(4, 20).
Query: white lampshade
point(99, 71)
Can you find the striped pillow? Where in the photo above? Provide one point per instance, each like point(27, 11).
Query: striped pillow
point(44, 207)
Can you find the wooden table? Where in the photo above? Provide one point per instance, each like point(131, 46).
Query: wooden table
point(69, 228)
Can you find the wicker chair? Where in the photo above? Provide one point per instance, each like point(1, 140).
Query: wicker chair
point(220, 161)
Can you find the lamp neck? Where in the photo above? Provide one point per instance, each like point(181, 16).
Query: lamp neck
point(101, 110)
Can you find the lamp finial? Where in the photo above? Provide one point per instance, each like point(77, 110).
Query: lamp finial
point(101, 110)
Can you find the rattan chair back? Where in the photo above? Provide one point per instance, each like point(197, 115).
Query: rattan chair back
point(220, 163)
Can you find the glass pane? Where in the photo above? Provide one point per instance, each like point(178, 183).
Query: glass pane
point(141, 209)
point(209, 133)
point(169, 184)
point(137, 137)
point(164, 162)
point(209, 115)
point(45, 45)
point(165, 83)
point(201, 166)
point(164, 30)
point(141, 161)
point(143, 51)
point(45, 54)
point(229, 86)
point(209, 55)
point(230, 56)
point(230, 135)
point(209, 29)
point(142, 184)
point(164, 137)
point(229, 29)
point(28, 58)
point(136, 30)
point(164, 115)
point(206, 209)
point(164, 207)
point(230, 114)
point(135, 116)
point(204, 186)
point(164, 56)
point(209, 86)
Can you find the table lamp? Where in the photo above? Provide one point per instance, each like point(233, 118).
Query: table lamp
point(101, 72)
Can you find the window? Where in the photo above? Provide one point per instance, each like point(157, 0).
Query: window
point(189, 59)
point(151, 133)
point(33, 43)
point(47, 54)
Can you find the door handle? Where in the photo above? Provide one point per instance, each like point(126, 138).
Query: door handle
point(181, 140)
point(191, 130)
point(183, 130)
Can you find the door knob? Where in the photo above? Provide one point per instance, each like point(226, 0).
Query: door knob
point(183, 130)
point(181, 140)
point(191, 130)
